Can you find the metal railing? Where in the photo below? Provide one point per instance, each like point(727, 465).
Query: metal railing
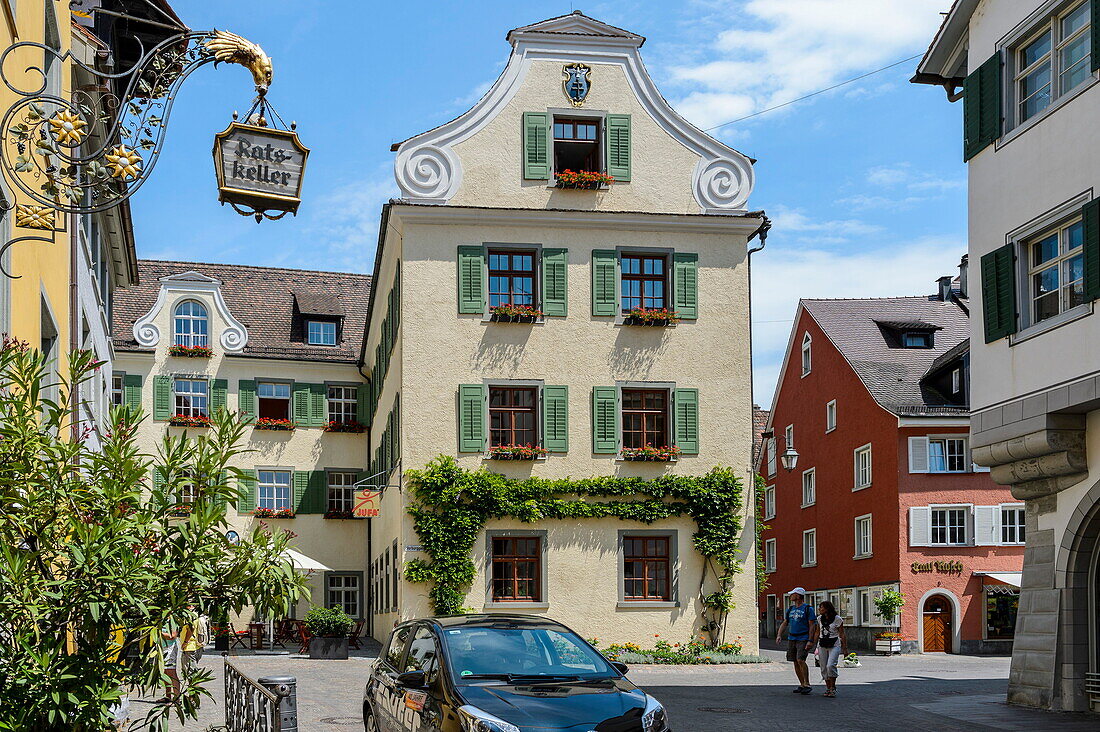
point(1092, 690)
point(266, 705)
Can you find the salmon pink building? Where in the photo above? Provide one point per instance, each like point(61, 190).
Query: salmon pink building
point(873, 398)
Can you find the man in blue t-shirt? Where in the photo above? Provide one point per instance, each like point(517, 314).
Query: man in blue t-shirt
point(798, 621)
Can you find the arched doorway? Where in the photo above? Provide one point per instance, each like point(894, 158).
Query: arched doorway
point(937, 624)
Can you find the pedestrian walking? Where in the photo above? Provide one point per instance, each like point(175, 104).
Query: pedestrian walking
point(170, 649)
point(832, 644)
point(798, 623)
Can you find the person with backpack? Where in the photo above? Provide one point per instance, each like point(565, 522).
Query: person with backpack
point(798, 622)
point(832, 644)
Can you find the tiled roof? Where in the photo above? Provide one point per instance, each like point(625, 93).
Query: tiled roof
point(893, 375)
point(759, 424)
point(263, 300)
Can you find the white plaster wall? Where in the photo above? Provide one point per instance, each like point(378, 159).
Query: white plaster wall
point(338, 544)
point(492, 159)
point(94, 393)
point(1050, 163)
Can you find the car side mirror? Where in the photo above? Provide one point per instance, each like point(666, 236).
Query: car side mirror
point(412, 679)
point(620, 667)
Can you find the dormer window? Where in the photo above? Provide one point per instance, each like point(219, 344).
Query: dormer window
point(917, 339)
point(321, 332)
point(577, 145)
point(190, 324)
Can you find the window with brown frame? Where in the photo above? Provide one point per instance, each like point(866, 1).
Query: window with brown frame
point(577, 145)
point(645, 417)
point(646, 570)
point(512, 415)
point(511, 278)
point(516, 572)
point(644, 281)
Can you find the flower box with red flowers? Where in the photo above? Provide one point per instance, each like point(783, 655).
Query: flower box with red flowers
point(180, 510)
point(587, 180)
point(274, 424)
point(190, 351)
point(273, 513)
point(184, 420)
point(515, 313)
point(651, 316)
point(651, 454)
point(352, 427)
point(517, 452)
point(340, 515)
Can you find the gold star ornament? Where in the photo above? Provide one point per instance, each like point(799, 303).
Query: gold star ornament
point(68, 128)
point(124, 162)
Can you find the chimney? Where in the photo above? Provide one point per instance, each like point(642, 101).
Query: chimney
point(964, 264)
point(945, 288)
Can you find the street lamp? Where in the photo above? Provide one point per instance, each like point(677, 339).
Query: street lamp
point(789, 458)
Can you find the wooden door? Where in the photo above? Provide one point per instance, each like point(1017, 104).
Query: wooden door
point(937, 625)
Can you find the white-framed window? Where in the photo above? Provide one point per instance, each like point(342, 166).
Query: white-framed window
point(1051, 61)
point(788, 436)
point(342, 591)
point(956, 381)
point(273, 489)
point(807, 360)
point(863, 535)
point(865, 608)
point(949, 525)
point(830, 416)
point(321, 332)
point(916, 339)
point(118, 381)
point(943, 454)
point(862, 467)
point(771, 457)
point(769, 555)
point(1012, 523)
point(1055, 270)
point(769, 502)
point(343, 403)
point(191, 397)
point(809, 487)
point(341, 493)
point(190, 324)
point(274, 399)
point(809, 547)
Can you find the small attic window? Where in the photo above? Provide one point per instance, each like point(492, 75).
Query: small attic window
point(577, 145)
point(916, 339)
point(321, 332)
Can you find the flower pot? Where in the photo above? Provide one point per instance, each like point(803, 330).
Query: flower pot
point(647, 458)
point(221, 643)
point(888, 646)
point(496, 318)
point(851, 664)
point(506, 456)
point(656, 323)
point(588, 186)
point(328, 648)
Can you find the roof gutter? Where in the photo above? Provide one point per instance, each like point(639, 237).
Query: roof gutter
point(762, 232)
point(383, 224)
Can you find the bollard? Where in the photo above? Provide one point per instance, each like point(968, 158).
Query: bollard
point(286, 688)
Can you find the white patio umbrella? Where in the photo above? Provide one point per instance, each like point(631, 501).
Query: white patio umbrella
point(303, 565)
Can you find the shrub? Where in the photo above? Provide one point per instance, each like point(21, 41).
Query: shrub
point(328, 622)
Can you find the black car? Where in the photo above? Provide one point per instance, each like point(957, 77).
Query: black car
point(501, 673)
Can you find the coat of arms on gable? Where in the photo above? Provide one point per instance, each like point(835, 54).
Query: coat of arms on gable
point(576, 83)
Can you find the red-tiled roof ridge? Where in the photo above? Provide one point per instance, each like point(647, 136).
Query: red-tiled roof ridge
point(195, 265)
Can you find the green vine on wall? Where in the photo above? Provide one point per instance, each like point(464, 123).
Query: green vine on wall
point(452, 506)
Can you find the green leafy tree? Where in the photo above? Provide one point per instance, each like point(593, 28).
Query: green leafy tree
point(96, 559)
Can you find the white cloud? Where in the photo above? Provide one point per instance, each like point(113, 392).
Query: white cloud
point(786, 220)
point(343, 230)
point(774, 51)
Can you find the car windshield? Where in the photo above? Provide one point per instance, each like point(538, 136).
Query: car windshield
point(509, 653)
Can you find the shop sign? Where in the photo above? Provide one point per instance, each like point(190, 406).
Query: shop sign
point(953, 567)
point(368, 503)
point(259, 168)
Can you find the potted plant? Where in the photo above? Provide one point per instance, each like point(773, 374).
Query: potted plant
point(651, 316)
point(273, 513)
point(887, 605)
point(274, 424)
point(329, 628)
point(851, 661)
point(515, 313)
point(180, 509)
point(185, 420)
point(888, 643)
point(517, 452)
point(350, 426)
point(190, 351)
point(651, 454)
point(588, 180)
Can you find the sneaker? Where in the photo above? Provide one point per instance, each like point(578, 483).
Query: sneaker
point(798, 690)
point(806, 690)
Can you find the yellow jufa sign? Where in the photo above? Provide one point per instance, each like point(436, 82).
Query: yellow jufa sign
point(368, 503)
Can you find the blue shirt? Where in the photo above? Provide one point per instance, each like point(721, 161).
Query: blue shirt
point(799, 620)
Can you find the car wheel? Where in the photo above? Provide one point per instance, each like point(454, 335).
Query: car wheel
point(370, 724)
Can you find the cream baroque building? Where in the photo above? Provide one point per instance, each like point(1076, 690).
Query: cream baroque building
point(482, 223)
point(283, 346)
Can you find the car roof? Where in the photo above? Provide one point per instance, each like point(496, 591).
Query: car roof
point(493, 620)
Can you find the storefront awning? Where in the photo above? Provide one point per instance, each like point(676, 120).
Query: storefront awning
point(1012, 579)
point(304, 564)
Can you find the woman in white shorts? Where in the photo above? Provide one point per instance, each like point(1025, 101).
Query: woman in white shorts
point(832, 644)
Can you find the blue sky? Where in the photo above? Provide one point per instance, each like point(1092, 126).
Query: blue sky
point(865, 184)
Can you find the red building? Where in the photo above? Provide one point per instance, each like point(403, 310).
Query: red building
point(873, 397)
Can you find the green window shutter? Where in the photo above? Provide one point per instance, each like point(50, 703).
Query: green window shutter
point(618, 146)
point(317, 502)
point(395, 294)
point(982, 107)
point(362, 403)
point(301, 404)
point(158, 478)
point(131, 390)
point(685, 284)
point(536, 145)
point(162, 397)
point(300, 483)
point(555, 418)
point(605, 282)
point(219, 388)
point(555, 290)
point(605, 420)
point(685, 416)
point(246, 399)
point(1095, 40)
point(246, 498)
point(223, 479)
point(396, 428)
point(318, 405)
point(471, 417)
point(471, 280)
point(1091, 215)
point(999, 292)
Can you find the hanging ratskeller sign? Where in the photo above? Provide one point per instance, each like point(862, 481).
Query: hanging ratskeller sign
point(259, 169)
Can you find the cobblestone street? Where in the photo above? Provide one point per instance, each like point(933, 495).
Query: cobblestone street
point(941, 692)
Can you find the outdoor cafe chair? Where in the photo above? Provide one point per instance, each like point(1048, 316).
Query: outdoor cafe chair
point(237, 637)
point(355, 634)
point(304, 636)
